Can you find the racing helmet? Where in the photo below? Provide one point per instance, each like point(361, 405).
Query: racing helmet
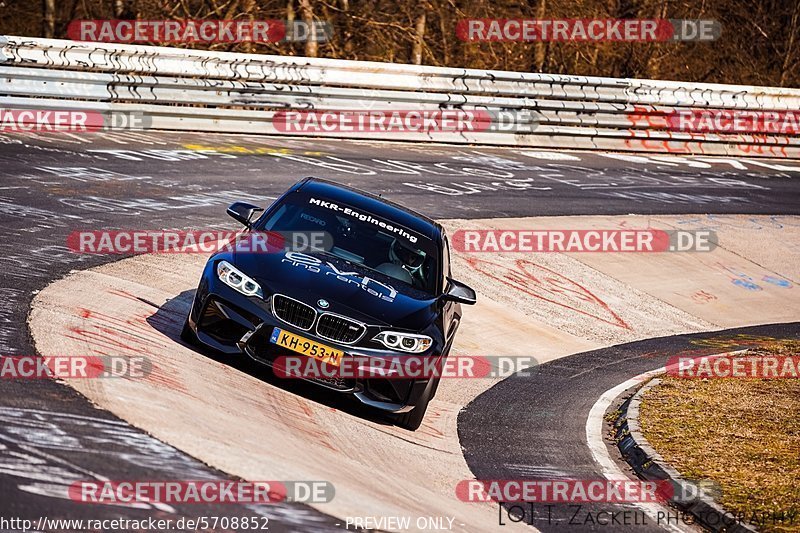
point(409, 258)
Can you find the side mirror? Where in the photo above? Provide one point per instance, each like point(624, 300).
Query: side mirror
point(243, 212)
point(459, 292)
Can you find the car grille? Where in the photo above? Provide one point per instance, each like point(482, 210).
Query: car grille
point(339, 329)
point(343, 384)
point(293, 312)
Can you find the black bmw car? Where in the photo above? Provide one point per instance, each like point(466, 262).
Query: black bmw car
point(380, 287)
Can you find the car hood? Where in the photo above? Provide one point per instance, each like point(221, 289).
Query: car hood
point(348, 288)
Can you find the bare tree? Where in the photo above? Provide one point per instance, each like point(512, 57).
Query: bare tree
point(307, 13)
point(347, 33)
point(788, 66)
point(49, 19)
point(248, 9)
point(540, 50)
point(419, 38)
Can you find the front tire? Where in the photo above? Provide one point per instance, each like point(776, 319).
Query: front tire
point(187, 334)
point(412, 420)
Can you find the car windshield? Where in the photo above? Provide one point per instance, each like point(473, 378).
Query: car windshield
point(363, 239)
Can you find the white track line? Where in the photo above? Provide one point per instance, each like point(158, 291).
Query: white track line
point(594, 439)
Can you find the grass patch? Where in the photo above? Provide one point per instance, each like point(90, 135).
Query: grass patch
point(744, 434)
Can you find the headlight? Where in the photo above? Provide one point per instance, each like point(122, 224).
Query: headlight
point(236, 279)
point(405, 342)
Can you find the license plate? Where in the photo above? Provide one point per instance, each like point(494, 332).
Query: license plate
point(305, 346)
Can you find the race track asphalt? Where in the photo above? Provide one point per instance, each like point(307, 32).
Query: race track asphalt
point(534, 425)
point(52, 184)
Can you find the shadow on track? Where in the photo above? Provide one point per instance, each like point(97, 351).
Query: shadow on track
point(168, 319)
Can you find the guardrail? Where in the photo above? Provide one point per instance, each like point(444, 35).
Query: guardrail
point(195, 90)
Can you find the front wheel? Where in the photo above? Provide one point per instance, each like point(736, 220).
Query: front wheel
point(187, 334)
point(412, 420)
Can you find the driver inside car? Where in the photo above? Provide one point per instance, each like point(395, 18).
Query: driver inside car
point(409, 259)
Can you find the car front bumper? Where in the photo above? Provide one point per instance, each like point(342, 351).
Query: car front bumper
point(232, 323)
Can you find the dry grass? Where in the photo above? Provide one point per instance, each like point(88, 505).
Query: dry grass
point(744, 434)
